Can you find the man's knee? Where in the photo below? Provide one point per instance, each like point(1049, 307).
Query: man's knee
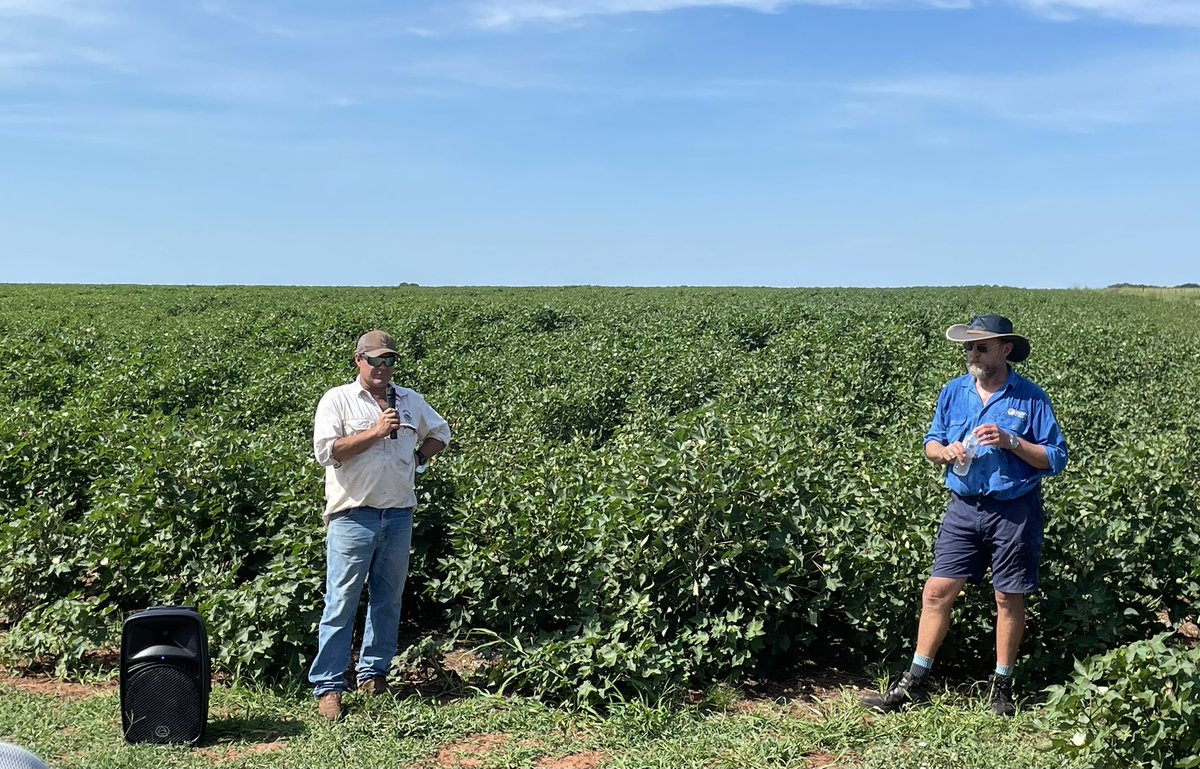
point(1010, 602)
point(940, 593)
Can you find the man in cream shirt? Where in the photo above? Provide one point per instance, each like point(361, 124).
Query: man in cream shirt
point(371, 435)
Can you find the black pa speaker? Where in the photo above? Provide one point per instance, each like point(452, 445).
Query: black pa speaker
point(165, 675)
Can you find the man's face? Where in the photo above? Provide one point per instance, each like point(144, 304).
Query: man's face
point(375, 371)
point(985, 360)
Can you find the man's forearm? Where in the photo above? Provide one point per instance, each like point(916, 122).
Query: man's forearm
point(1032, 454)
point(353, 445)
point(431, 447)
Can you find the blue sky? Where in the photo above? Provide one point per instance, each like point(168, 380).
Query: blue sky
point(1037, 143)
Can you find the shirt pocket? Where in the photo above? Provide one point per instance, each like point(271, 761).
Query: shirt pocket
point(355, 426)
point(957, 430)
point(1014, 421)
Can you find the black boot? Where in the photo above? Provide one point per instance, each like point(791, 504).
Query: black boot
point(906, 691)
point(1002, 696)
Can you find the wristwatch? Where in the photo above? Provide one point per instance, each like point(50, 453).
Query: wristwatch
point(1013, 441)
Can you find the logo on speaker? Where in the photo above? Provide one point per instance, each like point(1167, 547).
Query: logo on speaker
point(162, 732)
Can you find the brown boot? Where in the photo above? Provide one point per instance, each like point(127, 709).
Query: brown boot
point(330, 706)
point(374, 686)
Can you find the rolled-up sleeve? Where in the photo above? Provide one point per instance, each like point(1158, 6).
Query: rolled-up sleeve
point(1046, 433)
point(327, 428)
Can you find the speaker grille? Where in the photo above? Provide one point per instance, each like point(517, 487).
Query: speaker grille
point(163, 704)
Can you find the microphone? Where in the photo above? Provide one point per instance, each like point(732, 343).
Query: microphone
point(391, 401)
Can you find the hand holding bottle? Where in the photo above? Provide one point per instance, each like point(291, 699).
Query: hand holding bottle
point(970, 446)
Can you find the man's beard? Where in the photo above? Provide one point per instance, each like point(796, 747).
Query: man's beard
point(982, 373)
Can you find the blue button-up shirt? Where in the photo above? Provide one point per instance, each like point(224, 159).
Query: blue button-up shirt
point(1021, 408)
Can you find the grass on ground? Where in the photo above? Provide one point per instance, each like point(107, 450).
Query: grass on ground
point(80, 726)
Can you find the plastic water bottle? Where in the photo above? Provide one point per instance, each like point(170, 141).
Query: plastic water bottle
point(971, 447)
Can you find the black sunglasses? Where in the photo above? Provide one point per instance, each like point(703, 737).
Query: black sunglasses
point(980, 347)
point(385, 360)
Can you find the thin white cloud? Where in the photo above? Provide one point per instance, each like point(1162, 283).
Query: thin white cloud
point(512, 13)
point(1083, 99)
point(254, 24)
point(1183, 13)
point(499, 14)
point(71, 12)
point(505, 13)
point(20, 60)
point(161, 59)
point(41, 38)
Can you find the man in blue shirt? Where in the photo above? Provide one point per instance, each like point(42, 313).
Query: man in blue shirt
point(996, 433)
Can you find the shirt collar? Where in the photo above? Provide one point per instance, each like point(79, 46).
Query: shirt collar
point(362, 389)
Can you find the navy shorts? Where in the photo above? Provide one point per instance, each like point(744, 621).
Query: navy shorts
point(1007, 534)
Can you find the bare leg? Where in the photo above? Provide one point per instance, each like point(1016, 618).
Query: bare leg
point(937, 601)
point(1010, 626)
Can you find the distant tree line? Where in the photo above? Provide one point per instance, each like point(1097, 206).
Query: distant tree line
point(1146, 285)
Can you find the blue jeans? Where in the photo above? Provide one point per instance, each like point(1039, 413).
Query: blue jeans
point(363, 545)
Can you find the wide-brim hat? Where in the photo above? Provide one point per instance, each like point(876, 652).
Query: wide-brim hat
point(375, 343)
point(990, 327)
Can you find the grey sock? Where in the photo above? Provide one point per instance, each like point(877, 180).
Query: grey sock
point(920, 667)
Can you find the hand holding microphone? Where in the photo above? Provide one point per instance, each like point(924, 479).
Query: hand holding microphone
point(391, 402)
